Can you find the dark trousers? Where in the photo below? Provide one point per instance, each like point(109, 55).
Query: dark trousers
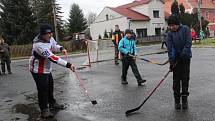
point(163, 43)
point(126, 62)
point(45, 86)
point(116, 54)
point(7, 63)
point(181, 77)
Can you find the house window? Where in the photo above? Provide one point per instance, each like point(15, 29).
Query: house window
point(207, 14)
point(141, 33)
point(156, 14)
point(157, 31)
point(107, 17)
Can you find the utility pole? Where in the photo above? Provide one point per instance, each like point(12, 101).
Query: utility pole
point(55, 21)
point(200, 20)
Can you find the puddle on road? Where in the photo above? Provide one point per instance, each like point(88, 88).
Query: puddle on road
point(31, 110)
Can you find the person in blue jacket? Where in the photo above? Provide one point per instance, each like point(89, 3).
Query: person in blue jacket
point(127, 46)
point(179, 42)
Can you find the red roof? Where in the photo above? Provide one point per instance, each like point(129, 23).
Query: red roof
point(205, 4)
point(126, 10)
point(133, 15)
point(188, 4)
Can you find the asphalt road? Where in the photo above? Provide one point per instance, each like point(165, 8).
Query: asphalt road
point(18, 95)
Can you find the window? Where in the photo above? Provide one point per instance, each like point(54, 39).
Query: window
point(207, 14)
point(156, 14)
point(141, 33)
point(107, 17)
point(157, 31)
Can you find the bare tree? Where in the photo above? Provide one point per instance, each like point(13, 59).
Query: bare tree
point(91, 18)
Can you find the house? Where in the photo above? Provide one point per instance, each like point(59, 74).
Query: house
point(207, 10)
point(144, 17)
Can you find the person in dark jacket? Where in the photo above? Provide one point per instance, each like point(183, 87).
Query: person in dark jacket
point(116, 37)
point(127, 46)
point(179, 44)
point(5, 56)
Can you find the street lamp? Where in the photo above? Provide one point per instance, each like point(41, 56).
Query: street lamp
point(54, 17)
point(200, 20)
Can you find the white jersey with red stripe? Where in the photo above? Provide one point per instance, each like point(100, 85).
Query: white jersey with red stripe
point(42, 55)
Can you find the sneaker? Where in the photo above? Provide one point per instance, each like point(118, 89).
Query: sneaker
point(9, 72)
point(56, 106)
point(140, 82)
point(124, 82)
point(184, 102)
point(116, 63)
point(3, 73)
point(177, 106)
point(46, 114)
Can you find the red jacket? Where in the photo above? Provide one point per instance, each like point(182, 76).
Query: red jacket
point(193, 33)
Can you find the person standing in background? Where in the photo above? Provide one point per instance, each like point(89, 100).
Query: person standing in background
point(5, 54)
point(116, 37)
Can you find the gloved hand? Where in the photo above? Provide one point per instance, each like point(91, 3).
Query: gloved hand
point(64, 51)
point(172, 63)
point(72, 67)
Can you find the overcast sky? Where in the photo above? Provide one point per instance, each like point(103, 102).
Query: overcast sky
point(87, 6)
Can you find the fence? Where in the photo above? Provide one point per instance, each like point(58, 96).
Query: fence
point(25, 50)
point(149, 39)
point(72, 46)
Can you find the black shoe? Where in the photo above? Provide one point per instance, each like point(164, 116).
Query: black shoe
point(177, 106)
point(184, 102)
point(140, 82)
point(56, 106)
point(46, 114)
point(124, 82)
point(9, 72)
point(116, 63)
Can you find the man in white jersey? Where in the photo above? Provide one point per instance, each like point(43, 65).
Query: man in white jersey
point(40, 66)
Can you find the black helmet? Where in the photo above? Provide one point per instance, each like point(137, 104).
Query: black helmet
point(44, 29)
point(173, 19)
point(127, 31)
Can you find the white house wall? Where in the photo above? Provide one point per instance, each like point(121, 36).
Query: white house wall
point(101, 24)
point(98, 28)
point(147, 9)
point(107, 11)
point(143, 9)
point(156, 22)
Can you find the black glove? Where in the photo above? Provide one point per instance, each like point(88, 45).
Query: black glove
point(172, 63)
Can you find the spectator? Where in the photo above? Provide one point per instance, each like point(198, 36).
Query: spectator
point(116, 37)
point(5, 56)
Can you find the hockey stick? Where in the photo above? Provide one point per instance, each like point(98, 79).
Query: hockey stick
point(150, 61)
point(153, 62)
point(150, 94)
point(94, 102)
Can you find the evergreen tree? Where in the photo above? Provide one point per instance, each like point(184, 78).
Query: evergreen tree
point(17, 22)
point(76, 21)
point(43, 11)
point(185, 18)
point(174, 8)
